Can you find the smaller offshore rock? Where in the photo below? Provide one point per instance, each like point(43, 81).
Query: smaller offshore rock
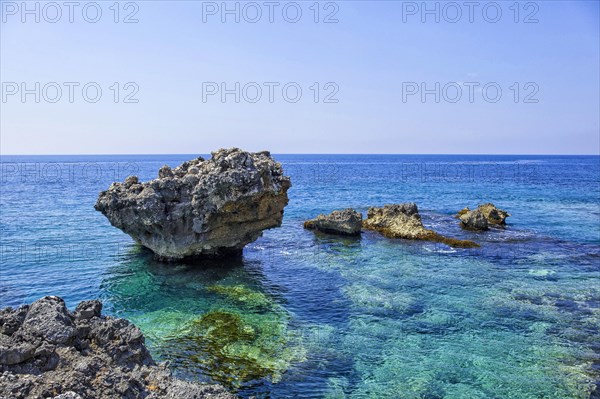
point(479, 219)
point(473, 220)
point(404, 221)
point(344, 222)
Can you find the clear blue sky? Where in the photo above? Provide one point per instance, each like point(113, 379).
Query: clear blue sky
point(371, 53)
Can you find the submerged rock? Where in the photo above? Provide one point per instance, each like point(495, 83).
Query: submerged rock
point(209, 208)
point(480, 218)
point(404, 221)
point(242, 295)
point(239, 347)
point(345, 222)
point(49, 352)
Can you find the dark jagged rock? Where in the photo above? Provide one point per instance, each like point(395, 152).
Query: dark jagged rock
point(479, 219)
point(473, 220)
point(493, 215)
point(202, 208)
point(344, 222)
point(88, 309)
point(48, 352)
point(404, 221)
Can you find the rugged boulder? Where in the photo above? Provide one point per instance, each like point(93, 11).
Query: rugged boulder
point(473, 220)
point(482, 217)
point(48, 352)
point(404, 221)
point(344, 222)
point(209, 208)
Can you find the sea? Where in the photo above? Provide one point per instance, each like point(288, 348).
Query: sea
point(305, 315)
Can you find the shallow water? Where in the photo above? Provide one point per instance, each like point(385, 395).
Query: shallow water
point(314, 316)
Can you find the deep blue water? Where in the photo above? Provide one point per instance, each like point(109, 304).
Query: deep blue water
point(329, 317)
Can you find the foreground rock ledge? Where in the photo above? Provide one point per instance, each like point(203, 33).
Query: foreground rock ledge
point(202, 208)
point(48, 352)
point(344, 222)
point(404, 221)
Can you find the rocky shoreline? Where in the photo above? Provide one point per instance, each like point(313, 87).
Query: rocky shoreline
point(46, 351)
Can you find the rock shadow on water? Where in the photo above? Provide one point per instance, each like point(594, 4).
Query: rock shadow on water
point(238, 349)
point(348, 247)
point(214, 320)
point(327, 238)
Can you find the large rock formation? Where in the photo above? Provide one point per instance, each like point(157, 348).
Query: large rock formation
point(479, 219)
point(48, 352)
point(203, 207)
point(344, 222)
point(404, 221)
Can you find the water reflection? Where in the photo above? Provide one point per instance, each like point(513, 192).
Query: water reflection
point(213, 320)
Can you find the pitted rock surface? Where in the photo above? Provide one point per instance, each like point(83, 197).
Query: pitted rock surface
point(404, 221)
point(481, 218)
point(202, 208)
point(344, 222)
point(48, 352)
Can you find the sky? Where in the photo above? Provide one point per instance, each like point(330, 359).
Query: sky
point(180, 77)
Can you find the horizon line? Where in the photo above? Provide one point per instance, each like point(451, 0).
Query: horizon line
point(300, 153)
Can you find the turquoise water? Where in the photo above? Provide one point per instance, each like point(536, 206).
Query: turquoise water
point(316, 316)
